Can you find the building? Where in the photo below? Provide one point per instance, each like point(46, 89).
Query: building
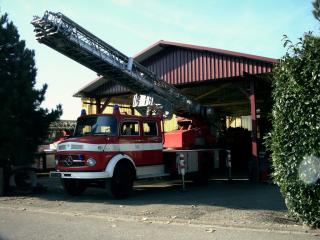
point(237, 85)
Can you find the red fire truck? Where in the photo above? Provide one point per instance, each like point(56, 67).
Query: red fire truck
point(117, 149)
point(113, 150)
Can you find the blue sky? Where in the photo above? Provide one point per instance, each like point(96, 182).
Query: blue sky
point(250, 26)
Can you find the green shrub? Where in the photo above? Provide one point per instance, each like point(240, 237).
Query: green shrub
point(295, 138)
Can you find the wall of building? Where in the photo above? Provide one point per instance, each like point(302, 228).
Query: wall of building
point(182, 66)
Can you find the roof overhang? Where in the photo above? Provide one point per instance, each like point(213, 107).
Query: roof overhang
point(162, 44)
point(99, 81)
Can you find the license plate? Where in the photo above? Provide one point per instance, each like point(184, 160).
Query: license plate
point(55, 175)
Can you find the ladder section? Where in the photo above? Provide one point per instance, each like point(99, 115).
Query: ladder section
point(70, 39)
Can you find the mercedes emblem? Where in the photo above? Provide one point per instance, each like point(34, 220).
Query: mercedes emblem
point(68, 161)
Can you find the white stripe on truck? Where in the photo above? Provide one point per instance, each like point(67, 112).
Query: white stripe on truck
point(123, 147)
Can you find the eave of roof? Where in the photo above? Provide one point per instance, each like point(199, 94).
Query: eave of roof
point(90, 86)
point(162, 44)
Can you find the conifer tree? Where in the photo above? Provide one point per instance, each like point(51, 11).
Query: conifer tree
point(23, 122)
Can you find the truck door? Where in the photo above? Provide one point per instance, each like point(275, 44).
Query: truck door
point(153, 142)
point(130, 141)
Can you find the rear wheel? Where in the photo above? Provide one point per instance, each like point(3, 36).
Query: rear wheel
point(74, 187)
point(121, 184)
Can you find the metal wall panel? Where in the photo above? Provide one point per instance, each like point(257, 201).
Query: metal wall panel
point(178, 65)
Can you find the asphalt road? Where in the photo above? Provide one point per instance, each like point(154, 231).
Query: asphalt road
point(26, 224)
point(156, 210)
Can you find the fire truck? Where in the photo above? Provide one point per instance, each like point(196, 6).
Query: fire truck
point(113, 150)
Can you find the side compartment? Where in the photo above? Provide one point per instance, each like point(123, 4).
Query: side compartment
point(202, 161)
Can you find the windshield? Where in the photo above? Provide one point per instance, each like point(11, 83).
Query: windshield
point(96, 125)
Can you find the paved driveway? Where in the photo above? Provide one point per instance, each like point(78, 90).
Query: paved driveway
point(216, 207)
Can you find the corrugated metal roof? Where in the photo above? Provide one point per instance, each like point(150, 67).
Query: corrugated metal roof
point(182, 64)
point(178, 63)
point(160, 45)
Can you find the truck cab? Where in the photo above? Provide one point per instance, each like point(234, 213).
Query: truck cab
point(114, 147)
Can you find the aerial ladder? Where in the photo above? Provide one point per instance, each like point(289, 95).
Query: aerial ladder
point(70, 39)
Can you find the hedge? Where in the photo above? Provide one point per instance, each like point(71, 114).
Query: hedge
point(295, 138)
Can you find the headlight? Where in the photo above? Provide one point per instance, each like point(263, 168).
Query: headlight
point(91, 162)
point(57, 158)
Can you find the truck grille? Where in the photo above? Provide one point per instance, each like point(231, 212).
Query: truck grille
point(65, 157)
point(73, 164)
point(70, 161)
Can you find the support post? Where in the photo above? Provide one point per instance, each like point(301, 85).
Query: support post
point(105, 104)
point(181, 167)
point(98, 105)
point(254, 146)
point(229, 165)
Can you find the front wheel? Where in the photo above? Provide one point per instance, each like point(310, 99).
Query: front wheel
point(74, 187)
point(121, 184)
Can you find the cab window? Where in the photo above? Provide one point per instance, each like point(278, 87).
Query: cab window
point(150, 129)
point(96, 125)
point(129, 128)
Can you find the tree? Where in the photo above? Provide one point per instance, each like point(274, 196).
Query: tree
point(316, 9)
point(295, 138)
point(23, 122)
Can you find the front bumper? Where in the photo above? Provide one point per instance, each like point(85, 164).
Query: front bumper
point(80, 175)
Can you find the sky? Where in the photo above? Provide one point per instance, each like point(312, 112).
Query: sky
point(250, 26)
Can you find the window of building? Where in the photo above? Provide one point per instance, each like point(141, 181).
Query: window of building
point(239, 122)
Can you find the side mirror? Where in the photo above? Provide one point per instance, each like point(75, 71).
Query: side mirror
point(66, 136)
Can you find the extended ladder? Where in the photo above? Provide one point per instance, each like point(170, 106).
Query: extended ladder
point(67, 37)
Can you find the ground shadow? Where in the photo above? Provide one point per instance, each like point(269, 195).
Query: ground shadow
point(235, 195)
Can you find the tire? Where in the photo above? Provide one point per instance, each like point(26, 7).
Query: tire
point(121, 184)
point(74, 187)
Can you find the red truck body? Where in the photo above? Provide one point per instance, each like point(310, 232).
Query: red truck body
point(101, 143)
